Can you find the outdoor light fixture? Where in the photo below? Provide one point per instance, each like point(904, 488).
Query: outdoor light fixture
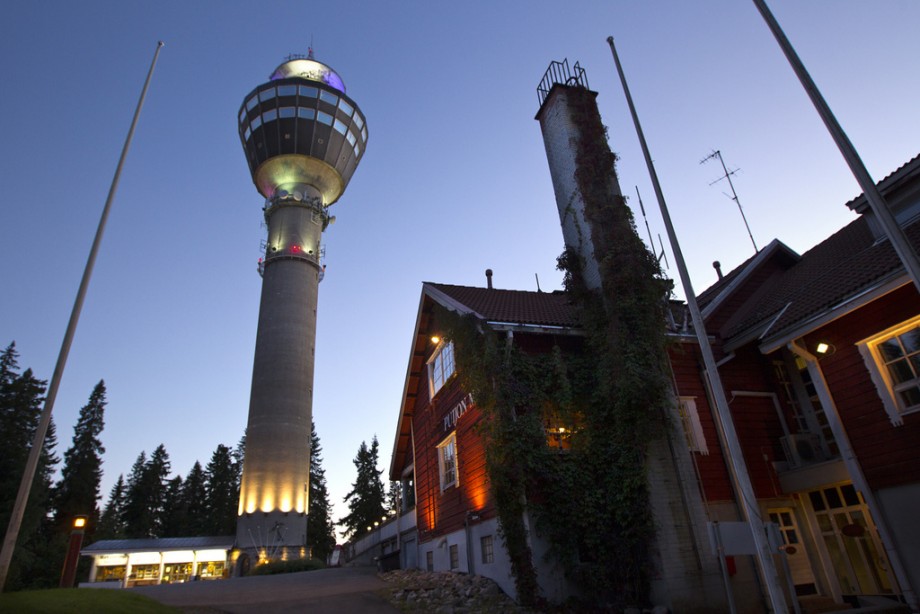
point(435, 339)
point(825, 349)
point(69, 571)
point(79, 522)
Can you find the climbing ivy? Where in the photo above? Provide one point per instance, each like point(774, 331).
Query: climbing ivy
point(590, 502)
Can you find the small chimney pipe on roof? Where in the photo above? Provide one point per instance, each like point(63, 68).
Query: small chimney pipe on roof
point(718, 267)
point(489, 278)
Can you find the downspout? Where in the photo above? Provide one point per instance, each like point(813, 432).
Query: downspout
point(855, 470)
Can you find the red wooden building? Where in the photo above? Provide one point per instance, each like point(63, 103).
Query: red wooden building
point(819, 354)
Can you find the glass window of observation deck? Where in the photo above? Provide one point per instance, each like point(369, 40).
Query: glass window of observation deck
point(330, 98)
point(287, 90)
point(351, 137)
point(305, 113)
point(359, 121)
point(252, 102)
point(340, 127)
point(324, 118)
point(257, 122)
point(285, 112)
point(269, 115)
point(267, 94)
point(309, 92)
point(345, 108)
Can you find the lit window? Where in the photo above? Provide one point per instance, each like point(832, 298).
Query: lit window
point(693, 430)
point(454, 557)
point(327, 97)
point(447, 461)
point(440, 366)
point(558, 431)
point(893, 360)
point(308, 91)
point(488, 554)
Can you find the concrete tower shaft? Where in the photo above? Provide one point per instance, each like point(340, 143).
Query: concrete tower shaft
point(559, 92)
point(303, 139)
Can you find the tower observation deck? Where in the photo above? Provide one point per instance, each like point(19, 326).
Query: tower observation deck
point(303, 138)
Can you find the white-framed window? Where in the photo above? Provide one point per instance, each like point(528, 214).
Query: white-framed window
point(893, 360)
point(488, 553)
point(693, 430)
point(447, 461)
point(440, 366)
point(454, 557)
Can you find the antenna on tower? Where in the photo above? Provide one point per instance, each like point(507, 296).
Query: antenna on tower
point(728, 175)
point(310, 49)
point(651, 241)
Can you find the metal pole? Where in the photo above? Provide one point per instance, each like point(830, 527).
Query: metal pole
point(895, 234)
point(735, 457)
point(12, 531)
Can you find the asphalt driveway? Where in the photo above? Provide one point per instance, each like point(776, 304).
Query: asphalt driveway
point(333, 591)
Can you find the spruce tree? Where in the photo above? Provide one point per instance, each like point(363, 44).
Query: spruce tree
point(144, 505)
point(111, 521)
point(320, 529)
point(194, 502)
point(174, 518)
point(21, 397)
point(222, 492)
point(366, 499)
point(78, 489)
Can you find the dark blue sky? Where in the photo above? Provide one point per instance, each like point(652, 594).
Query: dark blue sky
point(454, 181)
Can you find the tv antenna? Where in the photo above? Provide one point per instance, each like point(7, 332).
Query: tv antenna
point(734, 196)
point(651, 241)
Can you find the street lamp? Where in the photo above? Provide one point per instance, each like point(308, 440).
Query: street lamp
point(69, 573)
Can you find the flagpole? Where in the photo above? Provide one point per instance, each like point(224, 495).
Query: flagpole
point(25, 486)
point(876, 201)
point(735, 458)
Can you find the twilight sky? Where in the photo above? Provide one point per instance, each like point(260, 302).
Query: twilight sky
point(454, 181)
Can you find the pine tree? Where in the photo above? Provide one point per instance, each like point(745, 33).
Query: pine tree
point(222, 488)
point(394, 493)
point(366, 499)
point(111, 521)
point(78, 489)
point(320, 529)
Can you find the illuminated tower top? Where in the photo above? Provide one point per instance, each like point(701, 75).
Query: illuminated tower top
point(300, 130)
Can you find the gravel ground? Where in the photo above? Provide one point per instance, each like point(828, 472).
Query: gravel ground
point(412, 590)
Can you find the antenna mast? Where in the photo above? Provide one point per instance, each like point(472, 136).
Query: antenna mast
point(734, 196)
point(651, 241)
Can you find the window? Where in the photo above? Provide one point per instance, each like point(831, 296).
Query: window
point(447, 461)
point(309, 92)
point(454, 557)
point(441, 366)
point(267, 94)
point(488, 555)
point(287, 90)
point(429, 560)
point(693, 430)
point(893, 360)
point(327, 97)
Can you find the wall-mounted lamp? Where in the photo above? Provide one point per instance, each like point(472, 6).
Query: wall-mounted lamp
point(825, 349)
point(435, 339)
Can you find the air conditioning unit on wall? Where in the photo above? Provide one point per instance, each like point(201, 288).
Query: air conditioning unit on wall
point(802, 449)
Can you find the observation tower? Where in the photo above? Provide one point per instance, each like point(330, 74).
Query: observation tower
point(303, 138)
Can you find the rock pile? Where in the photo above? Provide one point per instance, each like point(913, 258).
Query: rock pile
point(446, 593)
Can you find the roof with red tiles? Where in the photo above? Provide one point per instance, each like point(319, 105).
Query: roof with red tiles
point(512, 306)
point(843, 266)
